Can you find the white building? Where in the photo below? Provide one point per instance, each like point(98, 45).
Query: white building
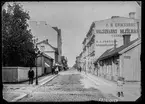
point(102, 34)
point(48, 49)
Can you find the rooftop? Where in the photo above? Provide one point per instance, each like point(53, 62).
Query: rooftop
point(112, 52)
point(46, 42)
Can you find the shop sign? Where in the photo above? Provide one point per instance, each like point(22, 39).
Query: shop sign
point(118, 28)
point(127, 57)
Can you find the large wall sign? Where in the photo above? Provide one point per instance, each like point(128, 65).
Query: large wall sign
point(118, 28)
point(115, 31)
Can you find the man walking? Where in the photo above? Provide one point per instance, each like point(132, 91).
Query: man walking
point(80, 69)
point(31, 75)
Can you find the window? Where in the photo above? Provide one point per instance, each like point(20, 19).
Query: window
point(42, 48)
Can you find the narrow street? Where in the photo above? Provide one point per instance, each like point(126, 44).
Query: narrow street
point(68, 86)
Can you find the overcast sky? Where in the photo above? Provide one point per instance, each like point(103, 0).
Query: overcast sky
point(74, 19)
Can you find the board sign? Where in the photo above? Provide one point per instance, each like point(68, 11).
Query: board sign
point(127, 57)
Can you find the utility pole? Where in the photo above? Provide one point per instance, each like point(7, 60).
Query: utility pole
point(115, 43)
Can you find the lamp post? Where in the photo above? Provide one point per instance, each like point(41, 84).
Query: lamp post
point(36, 52)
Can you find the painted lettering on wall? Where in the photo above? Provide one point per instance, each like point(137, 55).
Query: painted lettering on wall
point(118, 28)
point(107, 31)
point(128, 31)
point(105, 43)
point(114, 31)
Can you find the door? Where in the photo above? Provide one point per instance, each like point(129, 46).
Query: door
point(128, 72)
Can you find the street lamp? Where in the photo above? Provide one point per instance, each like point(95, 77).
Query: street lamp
point(36, 52)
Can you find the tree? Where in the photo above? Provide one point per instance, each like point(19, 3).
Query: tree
point(17, 44)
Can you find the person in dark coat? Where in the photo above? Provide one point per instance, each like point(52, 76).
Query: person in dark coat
point(53, 69)
point(31, 75)
point(80, 69)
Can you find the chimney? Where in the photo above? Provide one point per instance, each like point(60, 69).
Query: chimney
point(114, 17)
point(47, 40)
point(132, 15)
point(126, 39)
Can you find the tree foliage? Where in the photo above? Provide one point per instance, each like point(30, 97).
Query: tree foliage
point(17, 44)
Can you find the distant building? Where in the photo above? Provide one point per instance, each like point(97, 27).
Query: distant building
point(48, 49)
point(59, 43)
point(42, 30)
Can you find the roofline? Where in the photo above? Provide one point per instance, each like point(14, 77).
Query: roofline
point(43, 41)
point(136, 43)
point(121, 51)
point(47, 56)
point(92, 25)
point(84, 40)
point(115, 54)
point(115, 18)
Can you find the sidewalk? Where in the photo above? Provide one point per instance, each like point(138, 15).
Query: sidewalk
point(131, 90)
point(14, 92)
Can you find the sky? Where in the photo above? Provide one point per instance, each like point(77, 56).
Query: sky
point(75, 18)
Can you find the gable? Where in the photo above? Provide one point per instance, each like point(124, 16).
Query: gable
point(45, 47)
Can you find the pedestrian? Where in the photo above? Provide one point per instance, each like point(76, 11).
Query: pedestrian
point(53, 67)
point(56, 69)
point(31, 75)
point(45, 70)
point(80, 69)
point(120, 83)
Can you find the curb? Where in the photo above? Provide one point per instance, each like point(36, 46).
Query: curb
point(24, 95)
point(114, 94)
point(19, 97)
point(98, 84)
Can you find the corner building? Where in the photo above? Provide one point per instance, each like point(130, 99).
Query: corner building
point(102, 34)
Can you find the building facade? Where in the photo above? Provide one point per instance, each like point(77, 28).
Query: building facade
point(48, 49)
point(47, 32)
point(102, 34)
point(123, 61)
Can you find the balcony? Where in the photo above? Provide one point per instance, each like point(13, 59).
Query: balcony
point(91, 40)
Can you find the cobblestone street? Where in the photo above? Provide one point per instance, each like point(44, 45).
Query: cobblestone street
point(71, 51)
point(68, 86)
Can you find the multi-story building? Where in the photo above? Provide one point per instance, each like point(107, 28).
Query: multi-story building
point(43, 31)
point(102, 34)
point(59, 43)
